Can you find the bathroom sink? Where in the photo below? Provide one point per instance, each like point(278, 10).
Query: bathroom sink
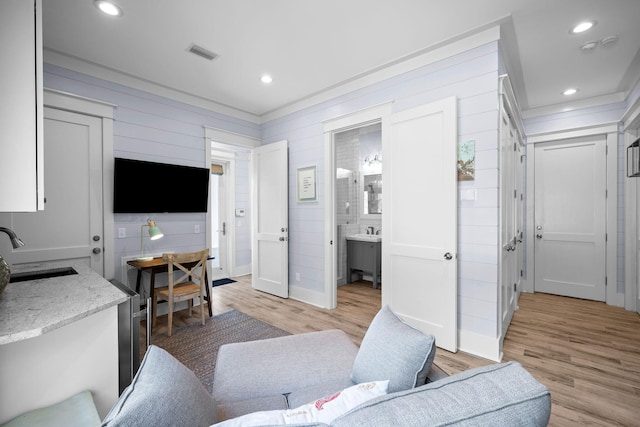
point(42, 274)
point(365, 237)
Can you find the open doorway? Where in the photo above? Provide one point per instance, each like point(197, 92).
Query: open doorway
point(218, 211)
point(220, 223)
point(374, 119)
point(358, 204)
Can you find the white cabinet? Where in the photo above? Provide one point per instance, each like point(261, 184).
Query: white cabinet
point(21, 143)
point(511, 140)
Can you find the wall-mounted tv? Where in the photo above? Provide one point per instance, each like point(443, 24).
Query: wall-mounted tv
point(149, 187)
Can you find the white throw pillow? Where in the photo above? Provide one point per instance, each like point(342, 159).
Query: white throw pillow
point(322, 410)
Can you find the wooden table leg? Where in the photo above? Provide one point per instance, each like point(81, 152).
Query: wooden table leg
point(152, 285)
point(208, 285)
point(138, 280)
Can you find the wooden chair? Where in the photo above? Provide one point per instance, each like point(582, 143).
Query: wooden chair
point(183, 287)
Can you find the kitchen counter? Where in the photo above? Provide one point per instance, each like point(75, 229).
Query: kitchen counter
point(32, 308)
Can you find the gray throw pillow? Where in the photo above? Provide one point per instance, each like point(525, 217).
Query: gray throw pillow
point(164, 392)
point(392, 350)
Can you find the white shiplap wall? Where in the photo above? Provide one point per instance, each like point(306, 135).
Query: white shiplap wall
point(472, 77)
point(154, 128)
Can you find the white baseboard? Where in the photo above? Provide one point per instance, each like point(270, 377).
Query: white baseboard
point(307, 296)
point(242, 270)
point(479, 345)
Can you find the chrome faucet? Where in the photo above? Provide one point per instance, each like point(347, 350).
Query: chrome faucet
point(15, 240)
point(370, 230)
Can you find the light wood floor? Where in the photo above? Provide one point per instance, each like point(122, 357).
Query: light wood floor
point(586, 353)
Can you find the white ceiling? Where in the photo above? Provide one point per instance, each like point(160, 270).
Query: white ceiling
point(309, 46)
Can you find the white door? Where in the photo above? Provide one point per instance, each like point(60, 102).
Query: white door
point(71, 225)
point(570, 222)
point(419, 267)
point(219, 222)
point(270, 249)
point(509, 211)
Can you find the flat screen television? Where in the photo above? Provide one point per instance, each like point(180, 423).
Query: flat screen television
point(149, 187)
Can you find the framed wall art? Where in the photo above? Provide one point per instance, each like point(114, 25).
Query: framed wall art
point(307, 187)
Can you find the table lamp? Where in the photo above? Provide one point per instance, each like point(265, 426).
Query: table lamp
point(154, 234)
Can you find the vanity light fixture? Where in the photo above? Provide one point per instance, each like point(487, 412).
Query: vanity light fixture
point(371, 160)
point(570, 91)
point(582, 27)
point(108, 7)
point(154, 234)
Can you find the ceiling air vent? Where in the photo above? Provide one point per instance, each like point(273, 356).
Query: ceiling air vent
point(202, 52)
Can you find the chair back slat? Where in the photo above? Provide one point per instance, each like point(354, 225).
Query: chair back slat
point(181, 261)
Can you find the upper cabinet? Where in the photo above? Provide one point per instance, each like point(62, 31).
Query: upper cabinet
point(21, 122)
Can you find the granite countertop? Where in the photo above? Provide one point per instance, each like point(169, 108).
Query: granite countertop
point(32, 308)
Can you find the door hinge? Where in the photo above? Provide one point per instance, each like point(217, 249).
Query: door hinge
point(521, 273)
point(606, 237)
point(606, 194)
point(515, 194)
point(606, 279)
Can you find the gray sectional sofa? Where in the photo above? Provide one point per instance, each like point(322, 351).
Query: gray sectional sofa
point(301, 375)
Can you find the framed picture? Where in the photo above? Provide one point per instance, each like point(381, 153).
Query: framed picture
point(307, 184)
point(467, 161)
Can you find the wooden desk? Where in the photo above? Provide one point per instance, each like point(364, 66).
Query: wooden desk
point(158, 265)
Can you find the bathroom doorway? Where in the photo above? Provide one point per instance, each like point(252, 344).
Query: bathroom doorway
point(357, 134)
point(358, 203)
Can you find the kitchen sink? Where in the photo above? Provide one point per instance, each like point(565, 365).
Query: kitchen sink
point(42, 274)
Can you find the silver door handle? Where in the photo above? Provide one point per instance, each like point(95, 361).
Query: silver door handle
point(538, 236)
point(96, 251)
point(448, 256)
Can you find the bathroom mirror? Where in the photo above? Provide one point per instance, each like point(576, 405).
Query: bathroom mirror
point(372, 194)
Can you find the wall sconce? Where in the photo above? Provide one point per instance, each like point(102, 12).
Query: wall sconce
point(154, 234)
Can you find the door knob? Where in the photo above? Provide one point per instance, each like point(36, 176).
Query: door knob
point(96, 238)
point(538, 236)
point(448, 256)
point(96, 251)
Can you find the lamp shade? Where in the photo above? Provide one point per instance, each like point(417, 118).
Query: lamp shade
point(154, 231)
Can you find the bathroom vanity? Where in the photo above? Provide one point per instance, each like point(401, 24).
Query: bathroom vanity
point(364, 256)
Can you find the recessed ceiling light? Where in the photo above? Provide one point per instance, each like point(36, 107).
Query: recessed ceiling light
point(582, 27)
point(570, 91)
point(266, 79)
point(108, 7)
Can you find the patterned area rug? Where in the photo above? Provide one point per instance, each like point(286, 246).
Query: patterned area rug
point(196, 346)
